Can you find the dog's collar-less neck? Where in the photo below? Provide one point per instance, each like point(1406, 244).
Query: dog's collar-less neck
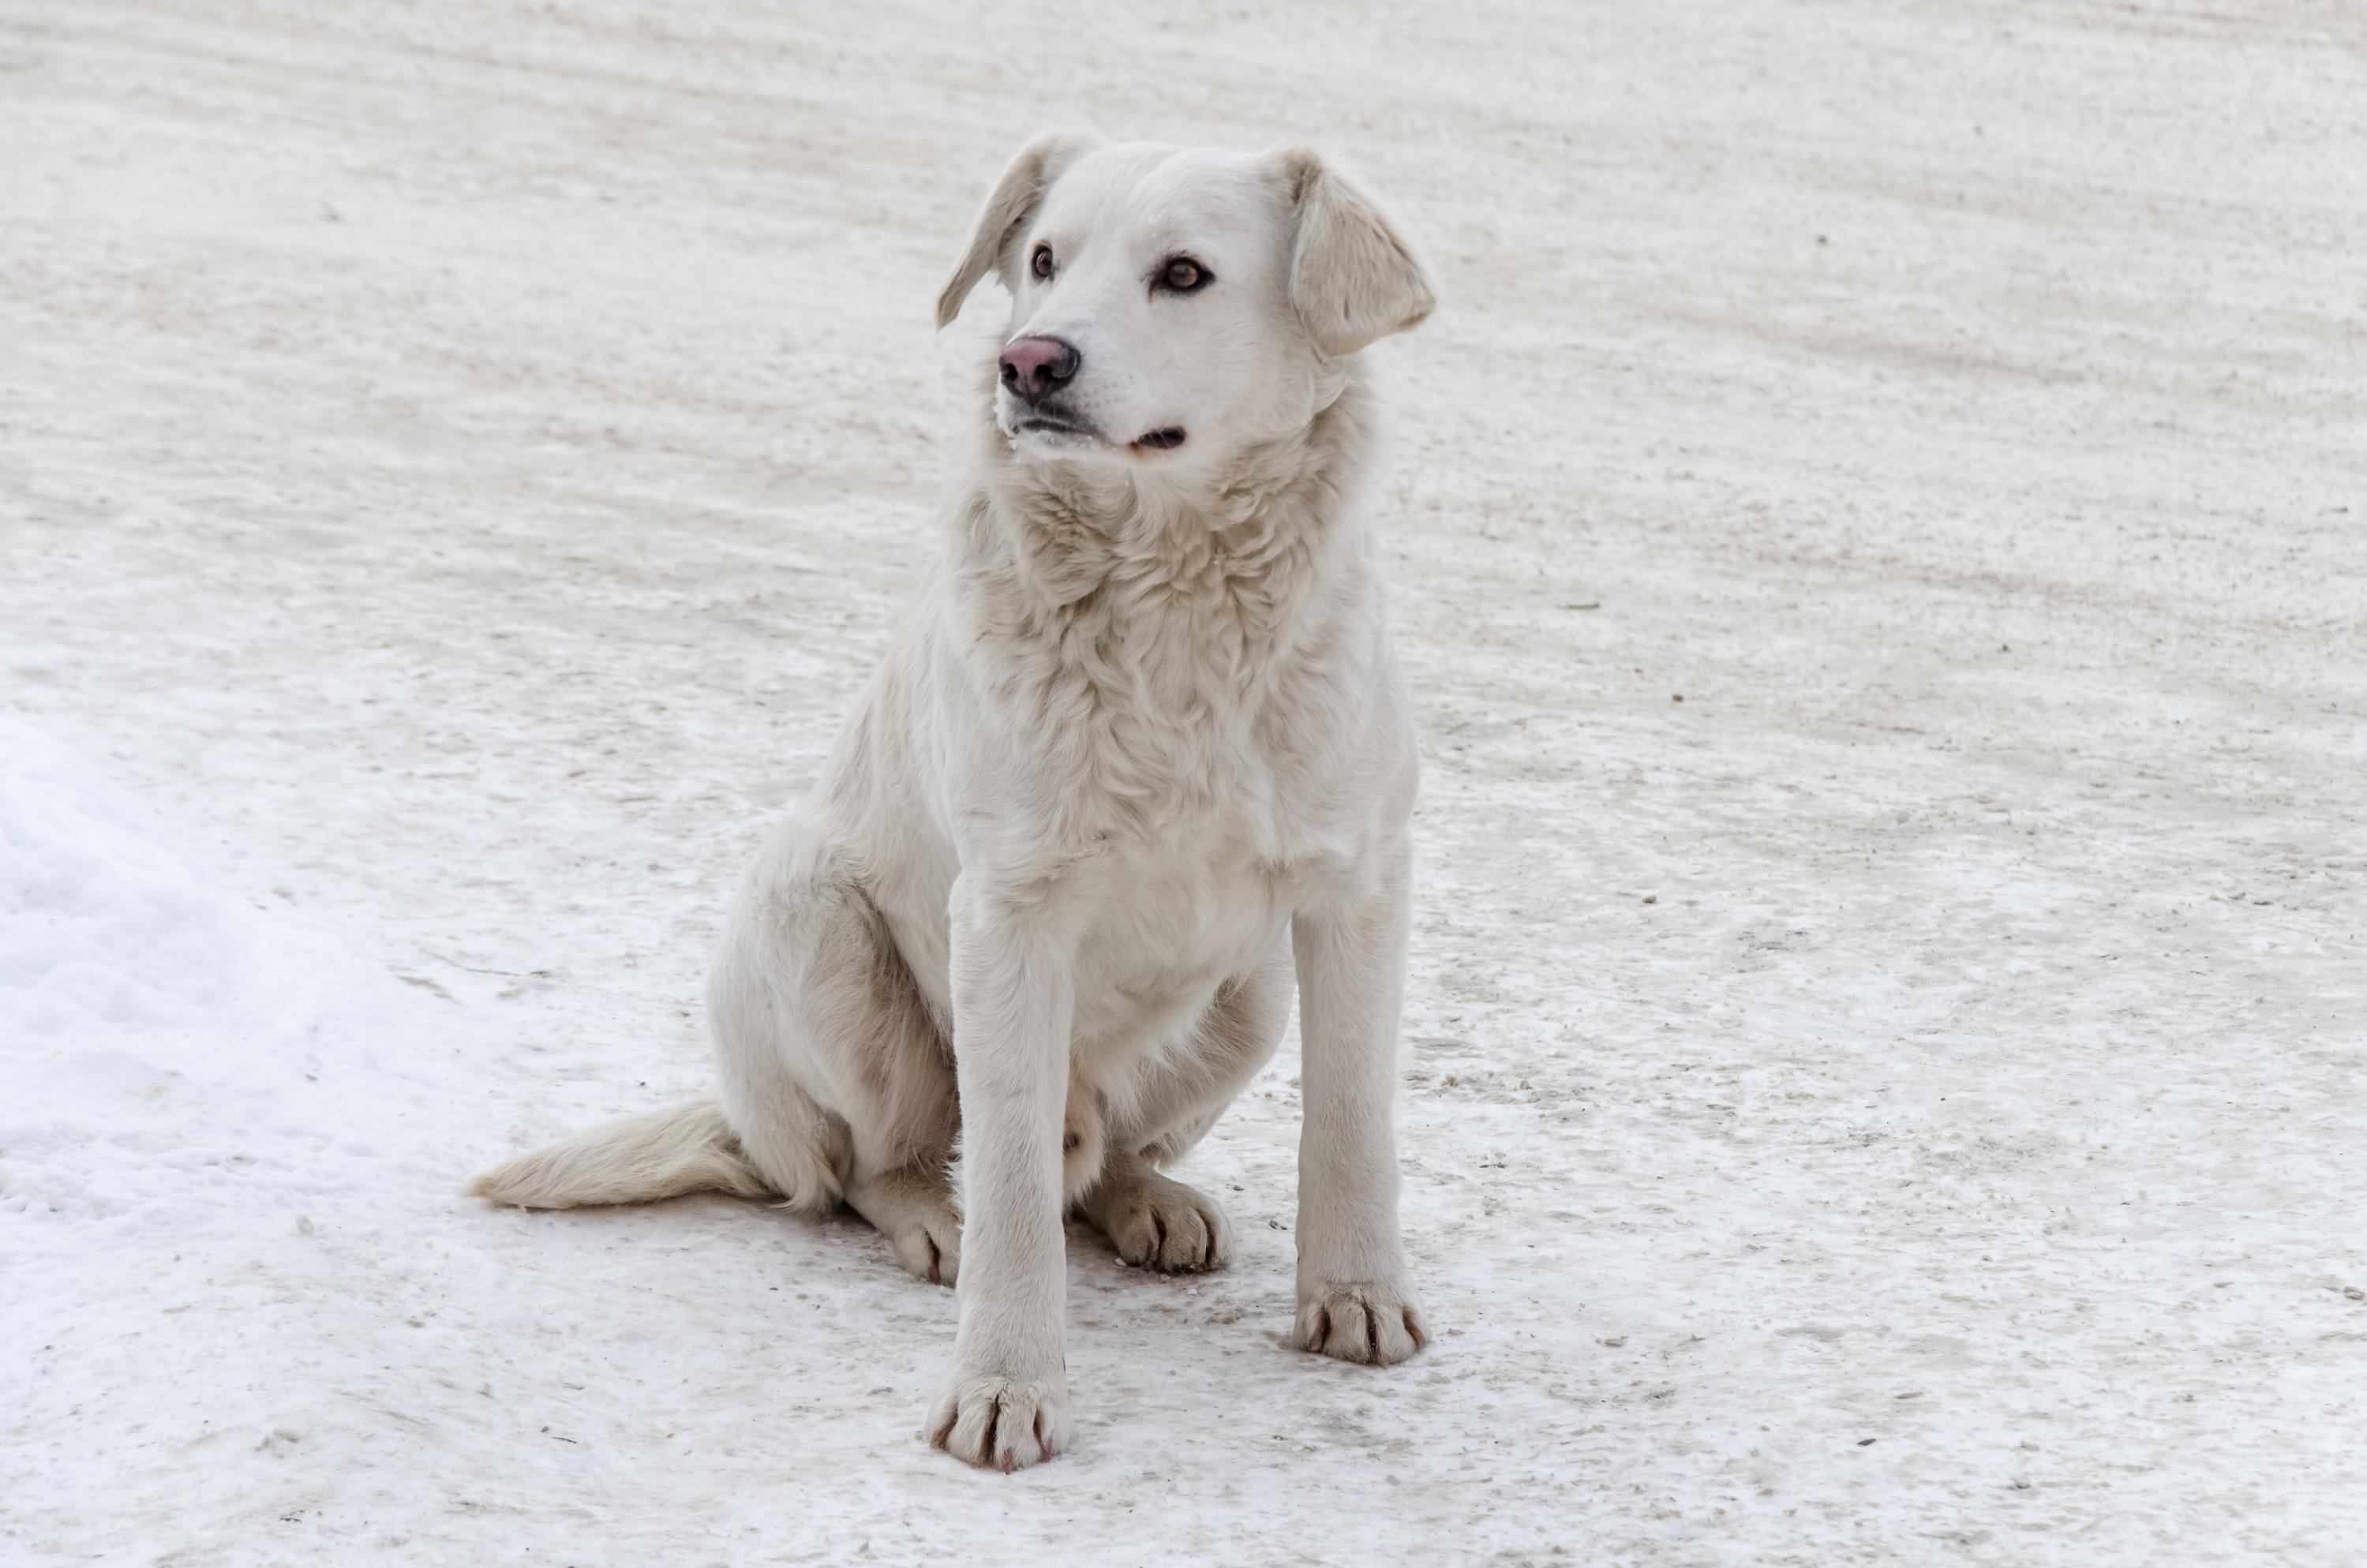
point(1175, 607)
point(1272, 480)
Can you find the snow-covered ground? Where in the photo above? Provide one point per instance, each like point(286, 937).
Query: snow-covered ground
point(1905, 1102)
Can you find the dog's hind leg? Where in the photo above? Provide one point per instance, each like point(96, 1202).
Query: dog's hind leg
point(1235, 1038)
point(1153, 1219)
point(835, 1073)
point(913, 1206)
point(1156, 1220)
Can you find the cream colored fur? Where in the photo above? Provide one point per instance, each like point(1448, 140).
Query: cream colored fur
point(1137, 770)
point(665, 1153)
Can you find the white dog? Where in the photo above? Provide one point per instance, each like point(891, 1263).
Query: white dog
point(1140, 748)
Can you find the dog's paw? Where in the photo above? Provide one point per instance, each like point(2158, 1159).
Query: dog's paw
point(1157, 1222)
point(930, 1246)
point(986, 1420)
point(1376, 1325)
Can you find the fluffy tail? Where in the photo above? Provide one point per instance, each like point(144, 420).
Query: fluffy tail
point(663, 1155)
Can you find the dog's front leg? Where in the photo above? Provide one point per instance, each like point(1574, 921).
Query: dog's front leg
point(1006, 1404)
point(1355, 1299)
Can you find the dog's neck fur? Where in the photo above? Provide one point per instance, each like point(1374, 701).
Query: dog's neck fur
point(1155, 617)
point(1067, 532)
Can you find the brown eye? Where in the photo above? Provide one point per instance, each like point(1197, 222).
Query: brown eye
point(1042, 266)
point(1183, 275)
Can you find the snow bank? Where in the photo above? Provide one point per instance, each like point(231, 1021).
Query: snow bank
point(154, 1028)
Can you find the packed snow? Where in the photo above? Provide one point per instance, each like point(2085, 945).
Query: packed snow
point(1880, 534)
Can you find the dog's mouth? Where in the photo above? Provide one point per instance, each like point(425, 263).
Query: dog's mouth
point(1051, 421)
point(1057, 427)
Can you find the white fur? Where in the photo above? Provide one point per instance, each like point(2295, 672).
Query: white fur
point(688, 1148)
point(1139, 761)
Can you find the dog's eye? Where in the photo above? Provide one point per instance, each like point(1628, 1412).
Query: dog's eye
point(1042, 266)
point(1182, 276)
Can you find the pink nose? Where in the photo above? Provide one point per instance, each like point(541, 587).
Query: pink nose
point(1036, 367)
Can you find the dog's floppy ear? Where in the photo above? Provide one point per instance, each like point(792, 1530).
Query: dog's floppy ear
point(1015, 197)
point(1353, 278)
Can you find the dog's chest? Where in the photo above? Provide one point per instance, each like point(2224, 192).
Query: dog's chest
point(1196, 725)
point(1171, 922)
point(1209, 829)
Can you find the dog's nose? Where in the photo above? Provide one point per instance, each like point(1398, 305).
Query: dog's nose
point(1038, 366)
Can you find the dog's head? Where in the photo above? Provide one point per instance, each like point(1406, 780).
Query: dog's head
point(1171, 307)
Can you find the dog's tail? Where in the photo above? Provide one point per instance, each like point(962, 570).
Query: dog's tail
point(665, 1153)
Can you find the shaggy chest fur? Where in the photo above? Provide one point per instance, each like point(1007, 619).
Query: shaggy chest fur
point(1181, 677)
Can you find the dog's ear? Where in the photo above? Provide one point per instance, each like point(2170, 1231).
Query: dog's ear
point(1353, 278)
point(1013, 202)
